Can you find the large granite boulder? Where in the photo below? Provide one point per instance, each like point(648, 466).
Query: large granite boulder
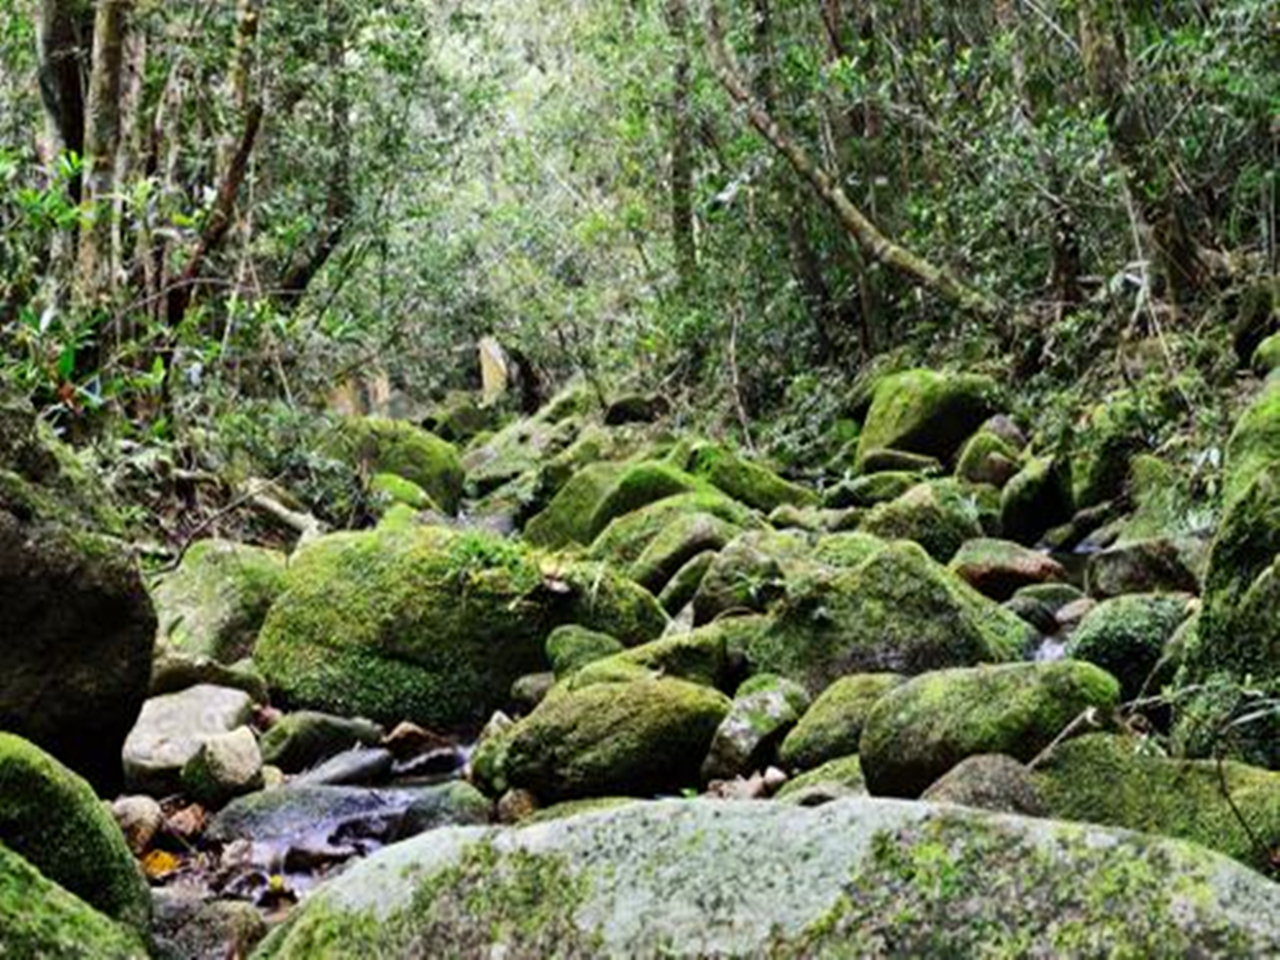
point(856, 878)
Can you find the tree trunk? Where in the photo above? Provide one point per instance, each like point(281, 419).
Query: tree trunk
point(683, 227)
point(1173, 251)
point(95, 280)
point(64, 38)
point(937, 280)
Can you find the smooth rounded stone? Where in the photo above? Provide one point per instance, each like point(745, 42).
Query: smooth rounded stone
point(456, 804)
point(920, 730)
point(725, 878)
point(379, 445)
point(999, 568)
point(408, 740)
point(1149, 566)
point(358, 767)
point(51, 817)
point(139, 819)
point(531, 689)
point(39, 919)
point(1038, 499)
point(307, 811)
point(1118, 781)
point(889, 460)
point(683, 586)
point(213, 605)
point(175, 672)
point(987, 458)
point(832, 727)
point(990, 782)
point(300, 740)
point(700, 656)
point(227, 765)
point(637, 738)
point(78, 629)
point(747, 575)
point(1007, 429)
point(1071, 615)
point(871, 490)
point(570, 648)
point(186, 927)
point(1055, 596)
point(170, 731)
point(679, 542)
point(833, 780)
point(747, 482)
point(515, 806)
point(763, 711)
point(1127, 636)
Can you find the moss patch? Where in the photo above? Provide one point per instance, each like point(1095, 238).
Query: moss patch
point(939, 515)
point(377, 446)
point(832, 727)
point(927, 412)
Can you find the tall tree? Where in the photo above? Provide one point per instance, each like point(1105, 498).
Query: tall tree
point(683, 223)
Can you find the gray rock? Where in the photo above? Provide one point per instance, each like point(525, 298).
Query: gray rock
point(171, 729)
point(990, 782)
point(188, 928)
point(1148, 566)
point(723, 878)
point(761, 716)
point(357, 767)
point(140, 819)
point(301, 740)
point(225, 766)
point(175, 672)
point(317, 813)
point(454, 804)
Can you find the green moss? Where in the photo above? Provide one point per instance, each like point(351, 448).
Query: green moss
point(569, 517)
point(1266, 358)
point(698, 656)
point(395, 446)
point(39, 919)
point(625, 539)
point(518, 450)
point(53, 818)
point(1111, 780)
point(1127, 637)
point(639, 486)
point(748, 575)
point(987, 458)
point(871, 490)
point(999, 568)
point(920, 730)
point(214, 604)
point(844, 774)
point(926, 412)
point(393, 489)
point(939, 515)
point(926, 891)
point(570, 648)
point(636, 739)
point(764, 709)
point(1038, 499)
point(898, 611)
point(1112, 434)
point(748, 482)
point(430, 625)
point(684, 538)
point(1254, 447)
point(303, 739)
point(520, 903)
point(832, 727)
point(683, 585)
point(575, 808)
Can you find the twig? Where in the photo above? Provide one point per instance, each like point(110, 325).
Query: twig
point(1089, 718)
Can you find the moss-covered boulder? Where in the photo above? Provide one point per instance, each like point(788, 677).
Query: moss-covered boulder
point(1127, 636)
point(571, 647)
point(1111, 434)
point(927, 412)
point(857, 878)
point(519, 450)
point(1144, 566)
point(920, 730)
point(306, 738)
point(1266, 359)
point(898, 611)
point(832, 726)
point(639, 738)
point(990, 782)
point(683, 585)
point(939, 515)
point(39, 919)
point(870, 490)
point(679, 542)
point(888, 460)
point(213, 605)
point(431, 625)
point(226, 766)
point(699, 656)
point(748, 574)
point(459, 417)
point(1115, 780)
point(1257, 316)
point(834, 780)
point(747, 482)
point(764, 709)
point(53, 819)
point(987, 458)
point(78, 629)
point(389, 491)
point(625, 539)
point(377, 445)
point(999, 568)
point(1038, 499)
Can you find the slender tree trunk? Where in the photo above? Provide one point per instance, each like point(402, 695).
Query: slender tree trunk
point(937, 280)
point(95, 280)
point(1172, 248)
point(64, 44)
point(683, 225)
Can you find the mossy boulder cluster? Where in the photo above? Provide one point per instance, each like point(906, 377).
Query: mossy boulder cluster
point(379, 446)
